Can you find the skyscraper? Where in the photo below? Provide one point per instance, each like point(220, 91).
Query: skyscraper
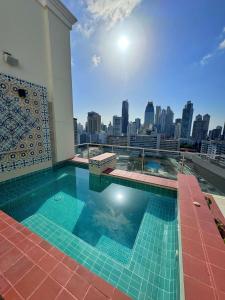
point(138, 123)
point(125, 116)
point(177, 130)
point(157, 117)
point(169, 128)
point(117, 125)
point(223, 136)
point(149, 116)
point(205, 126)
point(75, 131)
point(163, 121)
point(197, 131)
point(93, 122)
point(187, 120)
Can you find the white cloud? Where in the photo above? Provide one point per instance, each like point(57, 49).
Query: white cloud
point(205, 59)
point(105, 12)
point(222, 45)
point(111, 11)
point(86, 29)
point(96, 60)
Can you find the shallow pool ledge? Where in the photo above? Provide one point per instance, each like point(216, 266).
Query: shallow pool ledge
point(133, 176)
point(32, 268)
point(203, 250)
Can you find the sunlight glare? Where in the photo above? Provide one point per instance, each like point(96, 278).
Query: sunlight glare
point(123, 43)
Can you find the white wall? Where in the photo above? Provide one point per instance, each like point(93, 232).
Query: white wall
point(40, 40)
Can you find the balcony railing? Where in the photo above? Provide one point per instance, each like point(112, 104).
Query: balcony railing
point(210, 171)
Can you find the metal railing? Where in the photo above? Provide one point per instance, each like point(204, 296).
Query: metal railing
point(162, 163)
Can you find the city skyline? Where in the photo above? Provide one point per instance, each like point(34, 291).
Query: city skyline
point(164, 57)
point(119, 114)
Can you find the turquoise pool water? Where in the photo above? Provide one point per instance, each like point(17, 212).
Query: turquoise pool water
point(153, 165)
point(125, 232)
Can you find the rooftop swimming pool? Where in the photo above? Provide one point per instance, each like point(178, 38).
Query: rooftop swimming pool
point(126, 232)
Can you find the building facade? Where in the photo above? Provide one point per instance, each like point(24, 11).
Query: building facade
point(35, 85)
point(187, 120)
point(117, 125)
point(93, 122)
point(125, 116)
point(149, 116)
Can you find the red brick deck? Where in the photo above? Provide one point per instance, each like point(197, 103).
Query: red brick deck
point(153, 180)
point(80, 160)
point(203, 250)
point(31, 268)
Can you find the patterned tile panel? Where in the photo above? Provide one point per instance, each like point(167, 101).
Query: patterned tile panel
point(24, 124)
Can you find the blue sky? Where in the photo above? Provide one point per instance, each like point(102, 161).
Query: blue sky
point(176, 53)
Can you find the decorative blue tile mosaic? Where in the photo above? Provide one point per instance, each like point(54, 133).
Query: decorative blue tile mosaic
point(24, 124)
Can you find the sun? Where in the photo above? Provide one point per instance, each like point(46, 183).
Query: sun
point(123, 43)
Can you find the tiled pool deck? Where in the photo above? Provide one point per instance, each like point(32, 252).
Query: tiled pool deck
point(203, 250)
point(23, 253)
point(31, 268)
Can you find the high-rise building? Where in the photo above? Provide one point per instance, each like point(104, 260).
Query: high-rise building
point(205, 126)
point(216, 133)
point(163, 121)
point(132, 128)
point(149, 116)
point(169, 128)
point(125, 116)
point(200, 128)
point(197, 131)
point(93, 122)
point(187, 120)
point(223, 136)
point(157, 117)
point(75, 131)
point(117, 125)
point(177, 130)
point(110, 129)
point(138, 124)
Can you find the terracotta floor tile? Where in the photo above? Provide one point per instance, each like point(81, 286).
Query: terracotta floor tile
point(49, 289)
point(213, 241)
point(36, 253)
point(45, 245)
point(16, 238)
point(9, 259)
point(25, 245)
point(61, 274)
point(94, 294)
point(193, 248)
point(209, 227)
point(84, 272)
point(216, 257)
point(26, 231)
point(47, 263)
point(57, 254)
point(118, 295)
point(4, 285)
point(190, 233)
point(194, 290)
point(219, 277)
point(30, 281)
point(35, 238)
point(77, 286)
point(3, 225)
point(12, 295)
point(196, 269)
point(103, 286)
point(18, 270)
point(9, 231)
point(65, 295)
point(188, 221)
point(70, 263)
point(5, 245)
